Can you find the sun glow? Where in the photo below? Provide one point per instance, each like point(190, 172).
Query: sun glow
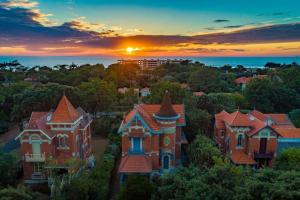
point(131, 50)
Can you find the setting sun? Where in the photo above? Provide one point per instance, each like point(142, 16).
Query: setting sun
point(130, 50)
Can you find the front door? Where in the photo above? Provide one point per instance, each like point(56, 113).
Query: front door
point(263, 145)
point(166, 162)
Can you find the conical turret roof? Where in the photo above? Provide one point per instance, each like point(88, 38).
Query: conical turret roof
point(166, 109)
point(65, 112)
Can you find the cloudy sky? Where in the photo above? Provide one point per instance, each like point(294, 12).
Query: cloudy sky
point(150, 27)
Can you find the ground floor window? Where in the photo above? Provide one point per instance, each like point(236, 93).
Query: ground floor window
point(166, 161)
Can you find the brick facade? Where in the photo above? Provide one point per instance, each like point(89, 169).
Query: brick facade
point(250, 139)
point(160, 137)
point(54, 136)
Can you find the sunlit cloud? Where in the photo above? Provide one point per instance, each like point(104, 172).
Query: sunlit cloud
point(25, 30)
point(19, 3)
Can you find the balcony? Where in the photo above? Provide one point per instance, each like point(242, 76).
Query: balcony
point(34, 157)
point(266, 155)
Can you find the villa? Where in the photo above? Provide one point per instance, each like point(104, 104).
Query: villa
point(252, 139)
point(152, 138)
point(54, 144)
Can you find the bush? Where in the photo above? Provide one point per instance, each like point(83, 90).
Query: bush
point(9, 167)
point(202, 152)
point(137, 187)
point(289, 159)
point(95, 185)
point(19, 193)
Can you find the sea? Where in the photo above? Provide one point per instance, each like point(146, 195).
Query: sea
point(249, 62)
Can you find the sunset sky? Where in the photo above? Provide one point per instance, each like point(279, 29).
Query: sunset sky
point(150, 27)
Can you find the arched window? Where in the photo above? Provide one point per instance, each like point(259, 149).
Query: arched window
point(166, 162)
point(240, 140)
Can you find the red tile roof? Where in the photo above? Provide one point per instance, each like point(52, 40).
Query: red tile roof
point(166, 108)
point(243, 80)
point(135, 164)
point(38, 121)
point(255, 120)
point(65, 112)
point(237, 119)
point(239, 157)
point(246, 80)
point(289, 132)
point(198, 94)
point(146, 111)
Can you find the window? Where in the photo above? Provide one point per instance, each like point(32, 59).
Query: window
point(222, 133)
point(136, 144)
point(166, 162)
point(240, 141)
point(63, 141)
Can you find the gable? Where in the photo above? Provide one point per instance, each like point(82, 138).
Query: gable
point(266, 132)
point(136, 120)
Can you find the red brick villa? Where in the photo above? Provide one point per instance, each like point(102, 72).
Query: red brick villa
point(152, 138)
point(253, 139)
point(55, 140)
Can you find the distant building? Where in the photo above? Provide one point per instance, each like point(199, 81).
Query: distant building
point(253, 138)
point(53, 142)
point(151, 63)
point(152, 139)
point(198, 94)
point(145, 92)
point(184, 86)
point(243, 81)
point(124, 90)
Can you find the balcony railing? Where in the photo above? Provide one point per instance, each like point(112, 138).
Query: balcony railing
point(266, 155)
point(34, 157)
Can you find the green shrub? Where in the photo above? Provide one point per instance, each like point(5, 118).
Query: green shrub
point(289, 159)
point(19, 193)
point(137, 187)
point(95, 185)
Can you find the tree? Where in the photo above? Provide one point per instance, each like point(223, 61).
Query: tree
point(202, 151)
point(295, 117)
point(98, 95)
point(291, 77)
point(216, 102)
point(41, 98)
point(9, 167)
point(191, 183)
point(197, 121)
point(289, 159)
point(271, 96)
point(268, 184)
point(208, 79)
point(137, 187)
point(123, 75)
point(158, 90)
